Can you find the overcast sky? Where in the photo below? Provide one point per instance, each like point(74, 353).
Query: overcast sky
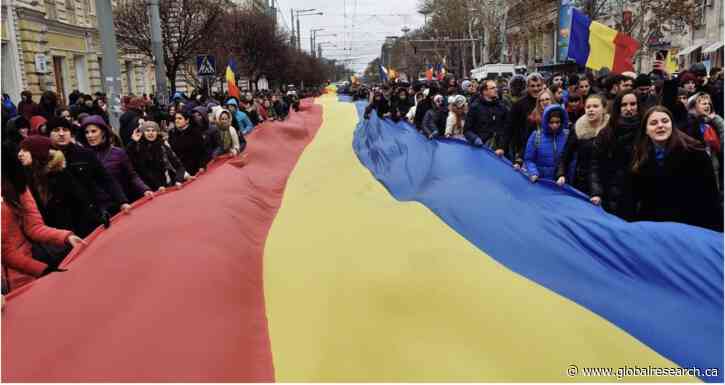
point(360, 25)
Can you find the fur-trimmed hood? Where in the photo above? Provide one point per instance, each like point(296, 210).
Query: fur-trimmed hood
point(56, 163)
point(584, 130)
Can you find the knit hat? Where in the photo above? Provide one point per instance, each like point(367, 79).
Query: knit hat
point(38, 146)
point(58, 122)
point(642, 81)
point(687, 77)
point(150, 124)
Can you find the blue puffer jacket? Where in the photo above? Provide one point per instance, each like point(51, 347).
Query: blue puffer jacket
point(542, 159)
point(245, 125)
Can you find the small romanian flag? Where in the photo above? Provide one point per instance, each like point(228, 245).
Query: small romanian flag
point(596, 46)
point(232, 80)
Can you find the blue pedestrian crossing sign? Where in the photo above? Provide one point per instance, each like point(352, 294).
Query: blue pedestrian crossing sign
point(205, 65)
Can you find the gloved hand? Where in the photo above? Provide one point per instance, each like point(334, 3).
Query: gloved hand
point(105, 219)
point(52, 269)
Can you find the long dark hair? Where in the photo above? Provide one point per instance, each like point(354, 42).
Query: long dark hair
point(606, 136)
point(14, 181)
point(37, 175)
point(677, 140)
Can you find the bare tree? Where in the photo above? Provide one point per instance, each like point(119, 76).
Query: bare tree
point(185, 28)
point(252, 38)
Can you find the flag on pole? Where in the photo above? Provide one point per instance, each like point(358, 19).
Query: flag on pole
point(232, 80)
point(429, 72)
point(383, 74)
point(596, 46)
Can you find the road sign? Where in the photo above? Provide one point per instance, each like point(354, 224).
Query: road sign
point(205, 65)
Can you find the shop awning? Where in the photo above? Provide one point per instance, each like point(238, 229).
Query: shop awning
point(712, 47)
point(689, 49)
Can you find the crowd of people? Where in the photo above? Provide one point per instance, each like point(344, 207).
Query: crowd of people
point(65, 171)
point(646, 147)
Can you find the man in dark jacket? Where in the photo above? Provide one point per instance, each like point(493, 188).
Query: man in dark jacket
point(517, 133)
point(642, 86)
point(27, 107)
point(486, 119)
point(84, 166)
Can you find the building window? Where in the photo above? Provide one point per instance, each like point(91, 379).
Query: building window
point(70, 8)
point(51, 12)
point(700, 13)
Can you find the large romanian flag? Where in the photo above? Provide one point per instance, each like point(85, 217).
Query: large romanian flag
point(594, 45)
point(364, 252)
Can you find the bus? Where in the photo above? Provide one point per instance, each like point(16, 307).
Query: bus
point(497, 70)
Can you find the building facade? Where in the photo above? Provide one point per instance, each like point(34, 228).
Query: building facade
point(531, 32)
point(55, 45)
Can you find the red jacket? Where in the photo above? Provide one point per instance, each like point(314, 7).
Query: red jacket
point(17, 254)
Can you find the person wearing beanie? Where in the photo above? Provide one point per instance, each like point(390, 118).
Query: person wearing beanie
point(61, 200)
point(97, 137)
point(88, 171)
point(700, 72)
point(129, 120)
point(642, 87)
point(38, 125)
point(155, 162)
point(23, 228)
point(688, 81)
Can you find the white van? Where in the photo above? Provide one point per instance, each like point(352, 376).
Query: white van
point(496, 70)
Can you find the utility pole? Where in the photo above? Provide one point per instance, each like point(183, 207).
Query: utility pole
point(319, 50)
point(162, 93)
point(292, 18)
point(299, 39)
point(112, 82)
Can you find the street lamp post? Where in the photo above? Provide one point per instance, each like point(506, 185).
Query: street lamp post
point(303, 12)
point(313, 33)
point(158, 51)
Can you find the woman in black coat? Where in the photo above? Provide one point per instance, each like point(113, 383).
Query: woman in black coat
point(612, 158)
point(61, 200)
point(580, 145)
point(154, 161)
point(188, 143)
point(673, 179)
